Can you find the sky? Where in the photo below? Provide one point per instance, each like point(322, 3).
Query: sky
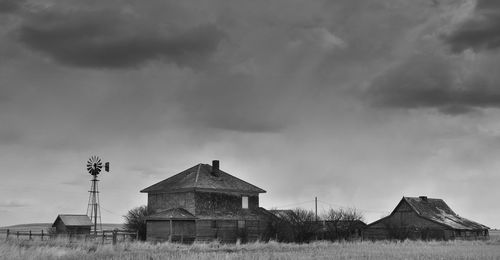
point(357, 103)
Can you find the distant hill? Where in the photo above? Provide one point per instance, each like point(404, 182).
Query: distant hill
point(46, 226)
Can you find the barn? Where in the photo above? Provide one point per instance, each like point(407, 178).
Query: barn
point(424, 218)
point(204, 203)
point(72, 224)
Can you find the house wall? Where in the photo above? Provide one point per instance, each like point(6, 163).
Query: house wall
point(182, 230)
point(164, 201)
point(228, 231)
point(208, 203)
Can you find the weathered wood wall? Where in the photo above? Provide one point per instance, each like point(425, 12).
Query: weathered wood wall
point(60, 227)
point(63, 229)
point(228, 231)
point(405, 223)
point(182, 230)
point(208, 203)
point(164, 201)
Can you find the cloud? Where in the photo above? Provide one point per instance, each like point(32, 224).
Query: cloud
point(479, 32)
point(433, 81)
point(10, 6)
point(13, 203)
point(113, 39)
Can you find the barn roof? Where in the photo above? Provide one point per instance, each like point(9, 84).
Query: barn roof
point(439, 212)
point(200, 177)
point(175, 213)
point(73, 220)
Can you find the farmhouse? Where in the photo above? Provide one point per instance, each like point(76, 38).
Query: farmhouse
point(424, 218)
point(205, 203)
point(72, 224)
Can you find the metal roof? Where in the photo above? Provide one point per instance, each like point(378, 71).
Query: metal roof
point(73, 220)
point(438, 211)
point(199, 177)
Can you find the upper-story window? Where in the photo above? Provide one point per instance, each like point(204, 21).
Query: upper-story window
point(244, 202)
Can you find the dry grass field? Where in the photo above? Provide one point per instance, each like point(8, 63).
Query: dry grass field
point(64, 249)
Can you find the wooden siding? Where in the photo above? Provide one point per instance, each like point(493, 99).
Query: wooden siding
point(63, 229)
point(182, 230)
point(208, 203)
point(164, 201)
point(406, 223)
point(60, 227)
point(228, 231)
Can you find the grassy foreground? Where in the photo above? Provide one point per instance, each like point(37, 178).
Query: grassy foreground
point(63, 249)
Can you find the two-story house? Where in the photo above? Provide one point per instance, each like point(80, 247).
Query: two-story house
point(205, 203)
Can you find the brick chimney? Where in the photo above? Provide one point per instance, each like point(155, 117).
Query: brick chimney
point(215, 168)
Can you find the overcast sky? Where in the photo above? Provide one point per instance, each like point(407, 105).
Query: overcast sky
point(356, 102)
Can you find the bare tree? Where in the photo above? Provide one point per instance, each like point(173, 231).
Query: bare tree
point(135, 220)
point(303, 223)
point(342, 224)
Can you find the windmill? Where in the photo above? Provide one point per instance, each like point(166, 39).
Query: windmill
point(94, 166)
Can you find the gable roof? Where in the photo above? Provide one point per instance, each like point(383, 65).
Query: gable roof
point(437, 211)
point(199, 177)
point(73, 220)
point(175, 213)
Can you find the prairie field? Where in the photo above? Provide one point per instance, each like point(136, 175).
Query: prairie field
point(65, 249)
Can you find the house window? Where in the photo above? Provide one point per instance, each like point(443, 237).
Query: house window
point(241, 223)
point(244, 202)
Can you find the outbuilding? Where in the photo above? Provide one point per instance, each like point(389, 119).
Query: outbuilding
point(72, 224)
point(424, 218)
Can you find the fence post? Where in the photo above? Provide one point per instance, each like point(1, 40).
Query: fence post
point(17, 233)
point(114, 236)
point(42, 234)
point(103, 236)
point(30, 234)
point(170, 236)
point(137, 235)
point(8, 231)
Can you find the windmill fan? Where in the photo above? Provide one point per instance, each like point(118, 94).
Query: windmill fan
point(94, 165)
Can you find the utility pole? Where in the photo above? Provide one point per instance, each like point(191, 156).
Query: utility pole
point(316, 209)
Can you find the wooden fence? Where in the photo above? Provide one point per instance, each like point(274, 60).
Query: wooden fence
point(103, 236)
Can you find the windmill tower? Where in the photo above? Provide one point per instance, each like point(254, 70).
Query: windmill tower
point(94, 166)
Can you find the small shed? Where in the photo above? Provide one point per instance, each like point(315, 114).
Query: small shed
point(72, 224)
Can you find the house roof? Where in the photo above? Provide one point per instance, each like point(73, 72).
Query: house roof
point(74, 220)
point(175, 213)
point(437, 211)
point(199, 177)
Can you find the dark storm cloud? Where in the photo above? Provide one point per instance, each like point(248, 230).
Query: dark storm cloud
point(115, 40)
point(426, 81)
point(10, 6)
point(481, 31)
